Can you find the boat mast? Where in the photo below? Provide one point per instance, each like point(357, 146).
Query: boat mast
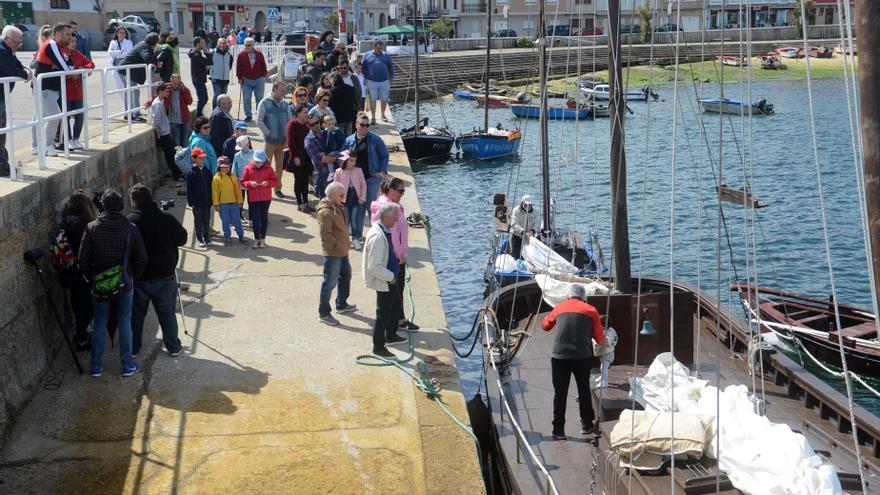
point(617, 107)
point(869, 109)
point(545, 142)
point(488, 54)
point(416, 54)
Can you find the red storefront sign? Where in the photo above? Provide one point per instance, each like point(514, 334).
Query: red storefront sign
point(341, 20)
point(195, 7)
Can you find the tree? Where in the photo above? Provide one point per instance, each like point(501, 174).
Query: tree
point(811, 16)
point(331, 20)
point(440, 28)
point(645, 15)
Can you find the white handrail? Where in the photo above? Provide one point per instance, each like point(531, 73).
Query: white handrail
point(39, 121)
point(551, 485)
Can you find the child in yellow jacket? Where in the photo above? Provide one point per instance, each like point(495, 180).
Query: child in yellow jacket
point(228, 200)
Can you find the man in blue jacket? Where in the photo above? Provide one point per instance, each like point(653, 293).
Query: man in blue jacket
point(82, 44)
point(10, 66)
point(378, 73)
point(372, 156)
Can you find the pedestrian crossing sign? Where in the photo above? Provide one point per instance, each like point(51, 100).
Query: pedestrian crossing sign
point(273, 14)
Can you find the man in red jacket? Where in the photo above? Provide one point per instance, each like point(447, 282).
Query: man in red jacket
point(575, 321)
point(251, 70)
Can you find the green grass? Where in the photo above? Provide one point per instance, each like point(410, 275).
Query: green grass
point(710, 72)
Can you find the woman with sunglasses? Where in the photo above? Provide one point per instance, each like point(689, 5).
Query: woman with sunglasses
point(392, 193)
point(300, 97)
point(201, 138)
point(322, 106)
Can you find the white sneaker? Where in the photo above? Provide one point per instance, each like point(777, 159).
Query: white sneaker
point(51, 151)
point(74, 144)
point(356, 244)
point(34, 151)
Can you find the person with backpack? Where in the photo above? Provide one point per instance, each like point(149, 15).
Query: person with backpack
point(198, 196)
point(228, 200)
point(111, 256)
point(78, 212)
point(163, 235)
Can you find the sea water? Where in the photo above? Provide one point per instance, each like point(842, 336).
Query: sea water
point(671, 194)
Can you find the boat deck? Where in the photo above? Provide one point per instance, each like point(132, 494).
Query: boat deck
point(530, 394)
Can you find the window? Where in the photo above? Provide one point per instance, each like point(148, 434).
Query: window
point(59, 4)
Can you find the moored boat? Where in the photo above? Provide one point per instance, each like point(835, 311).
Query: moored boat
point(603, 92)
point(732, 61)
point(771, 61)
point(495, 101)
point(553, 113)
point(790, 52)
point(821, 52)
point(736, 107)
point(811, 323)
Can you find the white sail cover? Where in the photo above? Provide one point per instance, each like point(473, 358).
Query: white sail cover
point(555, 291)
point(759, 457)
point(540, 256)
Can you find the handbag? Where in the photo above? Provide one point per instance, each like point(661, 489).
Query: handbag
point(289, 166)
point(116, 61)
point(112, 282)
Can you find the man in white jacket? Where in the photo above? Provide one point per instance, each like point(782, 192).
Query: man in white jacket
point(381, 269)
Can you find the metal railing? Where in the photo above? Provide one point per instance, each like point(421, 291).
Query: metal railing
point(40, 122)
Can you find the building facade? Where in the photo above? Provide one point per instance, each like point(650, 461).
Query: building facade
point(39, 12)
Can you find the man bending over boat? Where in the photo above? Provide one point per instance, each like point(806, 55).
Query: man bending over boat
point(574, 320)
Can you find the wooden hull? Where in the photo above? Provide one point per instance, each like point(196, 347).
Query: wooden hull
point(425, 147)
point(494, 101)
point(811, 323)
point(518, 386)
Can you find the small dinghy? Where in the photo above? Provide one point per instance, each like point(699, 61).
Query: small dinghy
point(790, 52)
point(771, 61)
point(733, 61)
point(736, 107)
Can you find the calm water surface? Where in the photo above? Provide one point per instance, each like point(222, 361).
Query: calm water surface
point(776, 155)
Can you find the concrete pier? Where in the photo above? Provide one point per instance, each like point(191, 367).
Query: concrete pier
point(265, 398)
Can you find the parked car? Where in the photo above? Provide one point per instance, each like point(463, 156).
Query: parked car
point(630, 28)
point(558, 30)
point(593, 31)
point(135, 21)
point(668, 28)
point(155, 26)
point(504, 33)
point(297, 38)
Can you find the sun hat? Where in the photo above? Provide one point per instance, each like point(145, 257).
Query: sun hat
point(242, 142)
point(198, 153)
point(241, 125)
point(260, 156)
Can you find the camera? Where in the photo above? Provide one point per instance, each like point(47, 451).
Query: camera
point(166, 204)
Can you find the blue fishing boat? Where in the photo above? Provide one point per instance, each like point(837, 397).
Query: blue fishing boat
point(490, 145)
point(553, 113)
point(460, 94)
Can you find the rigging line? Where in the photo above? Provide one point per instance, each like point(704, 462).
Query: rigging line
point(642, 224)
point(718, 221)
point(847, 380)
point(698, 333)
point(672, 243)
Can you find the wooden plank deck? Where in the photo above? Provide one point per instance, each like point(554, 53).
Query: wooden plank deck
point(530, 394)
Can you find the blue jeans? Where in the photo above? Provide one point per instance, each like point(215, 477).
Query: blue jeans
point(230, 215)
point(337, 270)
point(123, 329)
point(77, 119)
point(253, 87)
point(178, 134)
point(202, 97)
point(259, 211)
point(320, 184)
point(354, 213)
point(163, 294)
point(373, 184)
point(220, 88)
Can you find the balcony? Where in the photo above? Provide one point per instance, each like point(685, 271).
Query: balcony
point(473, 8)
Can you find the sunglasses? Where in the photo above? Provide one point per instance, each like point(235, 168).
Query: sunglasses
point(301, 95)
point(361, 124)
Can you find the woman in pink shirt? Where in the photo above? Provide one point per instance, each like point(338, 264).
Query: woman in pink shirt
point(392, 192)
point(352, 177)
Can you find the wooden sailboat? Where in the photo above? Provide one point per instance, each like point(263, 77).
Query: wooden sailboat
point(489, 143)
point(651, 316)
point(422, 142)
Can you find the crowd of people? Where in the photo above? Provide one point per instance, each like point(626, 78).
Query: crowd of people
point(321, 135)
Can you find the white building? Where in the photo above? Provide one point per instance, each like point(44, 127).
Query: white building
point(39, 12)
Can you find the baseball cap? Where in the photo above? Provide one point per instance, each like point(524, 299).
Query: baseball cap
point(241, 124)
point(197, 152)
point(222, 161)
point(241, 142)
point(260, 156)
